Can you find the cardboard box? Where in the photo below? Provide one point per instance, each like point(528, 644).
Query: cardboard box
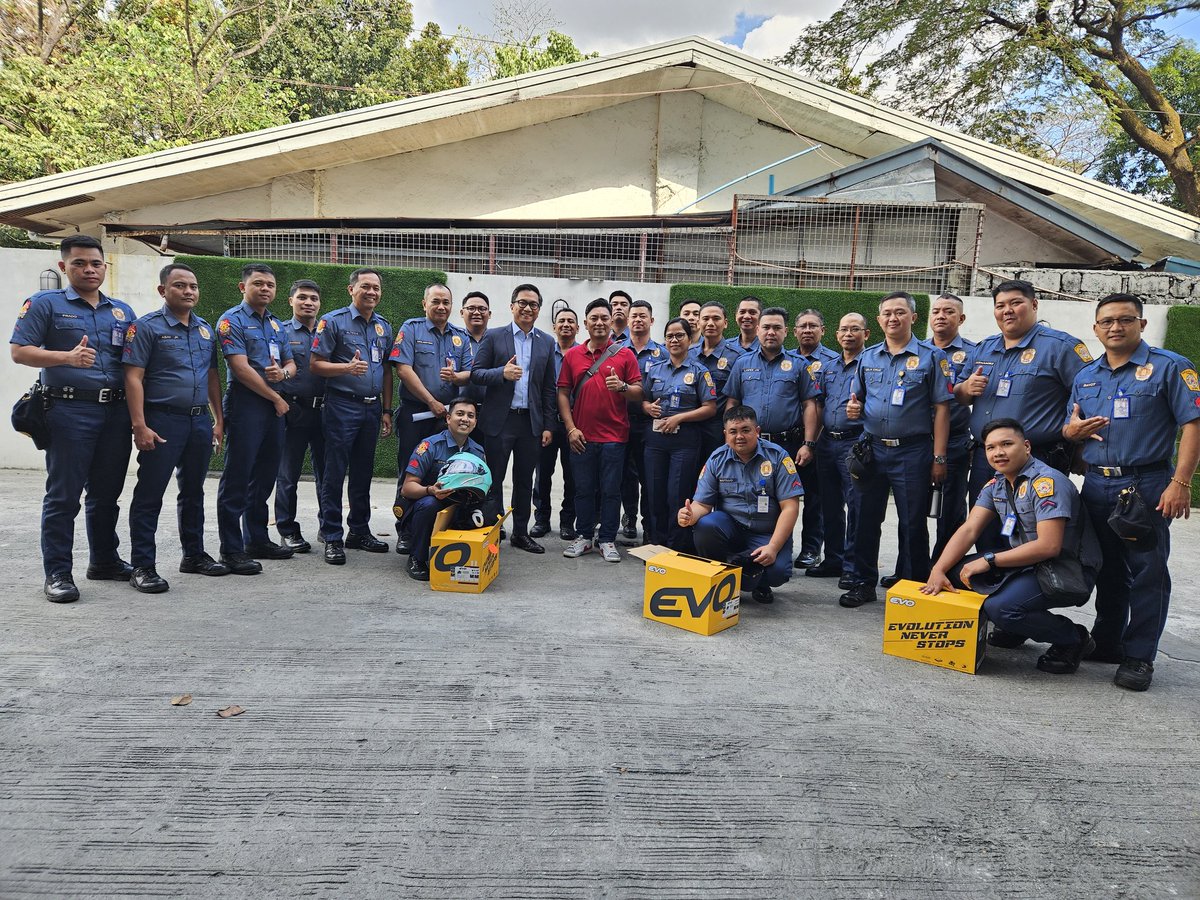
point(945, 629)
point(464, 561)
point(689, 592)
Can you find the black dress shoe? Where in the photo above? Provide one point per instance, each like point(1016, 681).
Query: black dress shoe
point(1005, 640)
point(857, 596)
point(1134, 674)
point(202, 565)
point(416, 570)
point(806, 560)
point(367, 542)
point(241, 564)
point(295, 542)
point(566, 534)
point(847, 583)
point(60, 588)
point(146, 580)
point(269, 550)
point(526, 543)
point(763, 594)
point(118, 570)
point(824, 571)
point(404, 545)
point(888, 581)
point(335, 553)
point(539, 529)
point(1063, 659)
point(629, 527)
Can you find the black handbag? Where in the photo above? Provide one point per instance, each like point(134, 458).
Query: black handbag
point(1131, 520)
point(1071, 576)
point(29, 416)
point(860, 461)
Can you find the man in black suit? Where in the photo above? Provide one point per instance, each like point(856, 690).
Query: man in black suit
point(515, 365)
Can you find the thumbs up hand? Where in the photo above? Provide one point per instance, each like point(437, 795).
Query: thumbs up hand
point(82, 356)
point(854, 407)
point(977, 383)
point(611, 381)
point(512, 371)
point(686, 517)
point(358, 365)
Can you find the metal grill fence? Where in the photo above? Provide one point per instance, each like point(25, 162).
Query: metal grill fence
point(770, 240)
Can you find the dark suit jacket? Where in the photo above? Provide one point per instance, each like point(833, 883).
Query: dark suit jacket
point(495, 350)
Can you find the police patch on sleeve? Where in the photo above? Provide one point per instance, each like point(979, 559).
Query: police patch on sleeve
point(1044, 486)
point(789, 465)
point(946, 367)
point(1191, 380)
point(708, 378)
point(223, 327)
point(28, 303)
point(321, 327)
point(422, 448)
point(1082, 352)
point(130, 332)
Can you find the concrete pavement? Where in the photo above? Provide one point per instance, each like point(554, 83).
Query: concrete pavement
point(544, 740)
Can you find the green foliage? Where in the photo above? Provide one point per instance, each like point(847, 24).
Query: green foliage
point(832, 304)
point(218, 278)
point(531, 56)
point(19, 239)
point(1183, 337)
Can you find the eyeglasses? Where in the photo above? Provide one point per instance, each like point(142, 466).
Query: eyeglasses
point(850, 329)
point(527, 304)
point(675, 336)
point(1123, 321)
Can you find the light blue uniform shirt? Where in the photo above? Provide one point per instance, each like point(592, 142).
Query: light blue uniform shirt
point(775, 389)
point(346, 331)
point(58, 320)
point(726, 483)
point(899, 392)
point(420, 345)
point(177, 357)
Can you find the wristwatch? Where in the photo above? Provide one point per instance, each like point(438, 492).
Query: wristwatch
point(811, 445)
point(939, 460)
point(990, 559)
point(623, 388)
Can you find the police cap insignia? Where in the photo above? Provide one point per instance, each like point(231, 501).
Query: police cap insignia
point(1044, 486)
point(1082, 352)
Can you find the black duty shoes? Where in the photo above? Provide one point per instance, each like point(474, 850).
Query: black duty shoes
point(367, 542)
point(335, 553)
point(295, 542)
point(857, 596)
point(118, 570)
point(416, 570)
point(202, 565)
point(241, 564)
point(1134, 674)
point(146, 580)
point(60, 588)
point(1063, 659)
point(269, 550)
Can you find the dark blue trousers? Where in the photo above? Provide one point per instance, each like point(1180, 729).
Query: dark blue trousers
point(839, 503)
point(351, 433)
point(598, 470)
point(670, 467)
point(185, 454)
point(633, 482)
point(1019, 607)
point(1133, 591)
point(558, 452)
point(418, 525)
point(905, 471)
point(719, 536)
point(89, 451)
point(302, 431)
point(253, 446)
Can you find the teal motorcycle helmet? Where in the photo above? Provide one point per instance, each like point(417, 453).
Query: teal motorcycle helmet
point(467, 477)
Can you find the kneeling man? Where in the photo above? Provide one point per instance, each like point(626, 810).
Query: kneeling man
point(746, 504)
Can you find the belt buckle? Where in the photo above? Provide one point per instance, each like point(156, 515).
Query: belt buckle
point(196, 411)
point(890, 442)
point(367, 400)
point(104, 395)
point(1111, 471)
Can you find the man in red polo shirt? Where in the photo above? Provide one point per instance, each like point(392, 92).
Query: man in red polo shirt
point(597, 382)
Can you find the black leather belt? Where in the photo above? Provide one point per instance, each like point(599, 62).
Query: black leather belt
point(178, 410)
point(306, 402)
point(783, 437)
point(902, 441)
point(844, 435)
point(1120, 471)
point(355, 397)
point(105, 395)
point(518, 412)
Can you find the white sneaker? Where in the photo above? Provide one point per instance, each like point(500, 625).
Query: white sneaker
point(577, 548)
point(609, 551)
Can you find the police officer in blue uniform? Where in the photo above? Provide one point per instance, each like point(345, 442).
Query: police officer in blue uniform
point(1023, 373)
point(746, 316)
point(902, 385)
point(634, 492)
point(779, 389)
point(1039, 509)
point(809, 330)
point(420, 479)
point(710, 349)
point(350, 352)
point(258, 358)
point(433, 361)
point(75, 336)
point(840, 498)
point(303, 433)
point(678, 396)
point(746, 505)
point(1126, 409)
point(171, 382)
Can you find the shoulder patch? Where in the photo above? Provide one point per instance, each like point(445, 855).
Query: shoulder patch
point(422, 448)
point(25, 308)
point(946, 367)
point(789, 465)
point(130, 332)
point(1044, 486)
point(1082, 352)
point(321, 326)
point(1191, 379)
point(708, 378)
point(703, 469)
point(223, 327)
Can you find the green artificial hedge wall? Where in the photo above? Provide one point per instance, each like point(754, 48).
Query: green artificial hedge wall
point(403, 289)
point(832, 304)
point(1183, 337)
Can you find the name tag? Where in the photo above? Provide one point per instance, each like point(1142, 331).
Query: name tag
point(898, 397)
point(1121, 408)
point(1004, 387)
point(273, 348)
point(117, 339)
point(1010, 525)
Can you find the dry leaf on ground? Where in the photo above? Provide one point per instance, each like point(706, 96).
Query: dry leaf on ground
point(181, 700)
point(230, 711)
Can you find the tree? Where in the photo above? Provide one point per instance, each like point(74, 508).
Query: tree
point(515, 46)
point(993, 68)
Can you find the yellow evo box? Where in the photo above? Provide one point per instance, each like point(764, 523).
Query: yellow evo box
point(463, 561)
point(945, 629)
point(689, 592)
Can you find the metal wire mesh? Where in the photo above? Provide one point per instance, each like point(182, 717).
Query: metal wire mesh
point(788, 242)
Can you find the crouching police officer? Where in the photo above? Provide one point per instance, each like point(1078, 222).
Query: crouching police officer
point(421, 486)
point(171, 382)
point(1126, 408)
point(1038, 508)
point(746, 504)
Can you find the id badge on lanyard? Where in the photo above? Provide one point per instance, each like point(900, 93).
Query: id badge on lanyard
point(764, 502)
point(117, 339)
point(375, 357)
point(1004, 386)
point(1010, 525)
point(1120, 405)
point(273, 349)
